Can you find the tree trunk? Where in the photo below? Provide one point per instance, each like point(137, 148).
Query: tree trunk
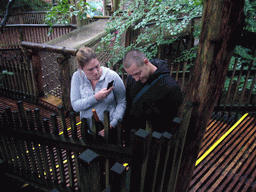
point(222, 25)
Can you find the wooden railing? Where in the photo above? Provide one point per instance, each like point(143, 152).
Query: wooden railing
point(28, 79)
point(61, 64)
point(47, 153)
point(13, 35)
point(34, 17)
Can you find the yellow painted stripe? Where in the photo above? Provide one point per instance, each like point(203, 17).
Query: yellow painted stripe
point(69, 128)
point(220, 140)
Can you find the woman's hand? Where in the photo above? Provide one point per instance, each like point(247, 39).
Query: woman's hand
point(102, 132)
point(102, 94)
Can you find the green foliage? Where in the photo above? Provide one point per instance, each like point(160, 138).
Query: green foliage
point(25, 5)
point(250, 13)
point(63, 11)
point(159, 23)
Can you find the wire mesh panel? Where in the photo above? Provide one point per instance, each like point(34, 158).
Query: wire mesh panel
point(50, 73)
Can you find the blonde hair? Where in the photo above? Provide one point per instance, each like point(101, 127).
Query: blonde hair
point(84, 56)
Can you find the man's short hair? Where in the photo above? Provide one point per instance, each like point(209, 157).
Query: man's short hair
point(134, 57)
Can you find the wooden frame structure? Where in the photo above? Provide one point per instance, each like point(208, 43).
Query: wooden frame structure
point(50, 156)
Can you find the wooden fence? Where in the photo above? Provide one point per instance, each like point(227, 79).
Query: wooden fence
point(33, 17)
point(48, 154)
point(13, 35)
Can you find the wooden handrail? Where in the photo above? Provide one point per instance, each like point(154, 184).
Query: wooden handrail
point(50, 48)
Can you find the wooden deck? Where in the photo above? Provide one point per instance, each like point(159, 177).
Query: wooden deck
point(229, 166)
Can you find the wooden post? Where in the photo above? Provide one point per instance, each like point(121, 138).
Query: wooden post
point(89, 171)
point(104, 7)
point(63, 121)
point(222, 24)
point(178, 146)
point(116, 5)
point(36, 62)
point(118, 178)
point(65, 79)
point(140, 159)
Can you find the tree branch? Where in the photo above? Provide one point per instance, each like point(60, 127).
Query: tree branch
point(6, 16)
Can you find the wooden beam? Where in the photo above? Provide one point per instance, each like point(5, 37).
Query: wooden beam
point(49, 48)
point(222, 25)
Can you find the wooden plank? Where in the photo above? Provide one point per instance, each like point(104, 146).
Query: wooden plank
point(233, 156)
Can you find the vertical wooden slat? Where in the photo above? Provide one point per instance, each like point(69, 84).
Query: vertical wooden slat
point(38, 120)
point(12, 79)
point(106, 125)
point(44, 150)
point(46, 125)
point(230, 86)
point(9, 117)
point(16, 120)
point(28, 76)
point(22, 115)
point(165, 153)
point(73, 125)
point(6, 82)
point(54, 123)
point(140, 159)
point(236, 89)
point(251, 91)
point(244, 89)
point(89, 171)
point(63, 121)
point(84, 129)
point(20, 76)
point(17, 77)
point(27, 83)
point(37, 69)
point(3, 142)
point(119, 133)
point(30, 120)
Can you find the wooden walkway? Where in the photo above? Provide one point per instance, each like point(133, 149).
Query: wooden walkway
point(228, 166)
point(231, 162)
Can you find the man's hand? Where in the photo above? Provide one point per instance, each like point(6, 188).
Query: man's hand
point(102, 94)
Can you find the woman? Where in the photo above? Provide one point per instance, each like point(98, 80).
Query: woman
point(89, 89)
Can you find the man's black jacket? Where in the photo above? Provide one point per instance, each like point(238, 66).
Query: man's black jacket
point(159, 104)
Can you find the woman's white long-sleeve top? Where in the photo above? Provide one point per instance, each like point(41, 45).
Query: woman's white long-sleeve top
point(83, 100)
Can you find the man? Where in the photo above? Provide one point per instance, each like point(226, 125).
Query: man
point(152, 94)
